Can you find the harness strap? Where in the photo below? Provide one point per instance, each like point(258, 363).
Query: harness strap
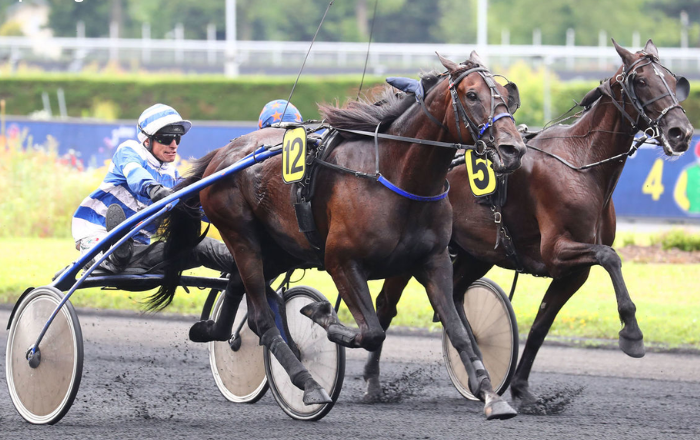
point(454, 146)
point(606, 89)
point(381, 179)
point(430, 116)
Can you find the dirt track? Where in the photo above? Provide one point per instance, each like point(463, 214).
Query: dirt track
point(143, 379)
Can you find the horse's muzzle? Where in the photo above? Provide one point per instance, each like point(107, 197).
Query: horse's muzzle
point(508, 158)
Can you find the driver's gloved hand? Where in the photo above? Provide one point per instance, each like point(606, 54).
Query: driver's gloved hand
point(159, 192)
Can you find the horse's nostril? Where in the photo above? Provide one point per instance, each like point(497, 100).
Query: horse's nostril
point(676, 134)
point(508, 150)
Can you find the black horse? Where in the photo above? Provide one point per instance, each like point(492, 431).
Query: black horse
point(367, 231)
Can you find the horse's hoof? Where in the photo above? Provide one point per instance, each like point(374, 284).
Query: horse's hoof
point(632, 348)
point(499, 409)
point(316, 396)
point(373, 393)
point(526, 402)
point(321, 312)
point(203, 331)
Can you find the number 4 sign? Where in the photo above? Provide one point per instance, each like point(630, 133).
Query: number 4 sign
point(294, 155)
point(652, 185)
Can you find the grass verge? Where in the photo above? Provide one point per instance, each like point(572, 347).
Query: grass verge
point(667, 300)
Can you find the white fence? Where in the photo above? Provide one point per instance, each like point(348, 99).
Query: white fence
point(73, 54)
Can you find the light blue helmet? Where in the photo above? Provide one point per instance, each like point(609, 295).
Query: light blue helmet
point(158, 116)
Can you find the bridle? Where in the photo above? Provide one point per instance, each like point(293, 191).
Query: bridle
point(651, 132)
point(477, 131)
point(626, 79)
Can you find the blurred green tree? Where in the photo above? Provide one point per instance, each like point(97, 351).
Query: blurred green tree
point(409, 21)
point(619, 20)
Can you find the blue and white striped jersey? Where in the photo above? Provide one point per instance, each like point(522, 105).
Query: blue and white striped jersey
point(132, 172)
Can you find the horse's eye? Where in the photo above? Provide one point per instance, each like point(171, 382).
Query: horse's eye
point(641, 82)
point(471, 96)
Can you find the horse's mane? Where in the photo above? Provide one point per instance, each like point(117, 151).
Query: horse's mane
point(383, 106)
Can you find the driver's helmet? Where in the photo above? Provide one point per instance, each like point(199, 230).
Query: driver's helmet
point(272, 112)
point(158, 116)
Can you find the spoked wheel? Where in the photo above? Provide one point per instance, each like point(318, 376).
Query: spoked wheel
point(324, 359)
point(493, 323)
point(43, 393)
point(239, 373)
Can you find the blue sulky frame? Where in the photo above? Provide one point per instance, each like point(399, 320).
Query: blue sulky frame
point(66, 281)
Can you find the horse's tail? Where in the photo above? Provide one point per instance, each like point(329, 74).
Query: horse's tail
point(180, 229)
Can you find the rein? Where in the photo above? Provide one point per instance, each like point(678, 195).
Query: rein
point(635, 146)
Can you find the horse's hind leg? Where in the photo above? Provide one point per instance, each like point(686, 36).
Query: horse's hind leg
point(209, 330)
point(387, 300)
point(351, 282)
point(436, 277)
point(558, 293)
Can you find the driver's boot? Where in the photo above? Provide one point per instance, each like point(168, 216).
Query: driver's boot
point(121, 256)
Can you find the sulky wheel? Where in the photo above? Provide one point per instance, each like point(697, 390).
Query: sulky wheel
point(44, 391)
point(239, 373)
point(495, 329)
point(324, 359)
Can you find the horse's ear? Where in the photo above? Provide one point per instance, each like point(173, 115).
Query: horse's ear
point(651, 49)
point(627, 56)
point(450, 65)
point(682, 88)
point(513, 97)
point(474, 58)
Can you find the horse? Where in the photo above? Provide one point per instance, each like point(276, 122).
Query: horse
point(560, 217)
point(367, 231)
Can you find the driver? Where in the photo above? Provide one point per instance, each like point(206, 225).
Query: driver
point(140, 174)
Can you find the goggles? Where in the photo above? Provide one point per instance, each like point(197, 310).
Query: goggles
point(167, 139)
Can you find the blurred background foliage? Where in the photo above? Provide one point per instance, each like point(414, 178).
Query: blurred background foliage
point(201, 97)
point(405, 21)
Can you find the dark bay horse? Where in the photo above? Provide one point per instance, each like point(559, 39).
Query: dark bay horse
point(561, 220)
point(367, 230)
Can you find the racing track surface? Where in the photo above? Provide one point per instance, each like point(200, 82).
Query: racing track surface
point(142, 378)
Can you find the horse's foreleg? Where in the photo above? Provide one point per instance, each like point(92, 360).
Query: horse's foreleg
point(436, 277)
point(571, 256)
point(387, 300)
point(558, 293)
point(631, 339)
